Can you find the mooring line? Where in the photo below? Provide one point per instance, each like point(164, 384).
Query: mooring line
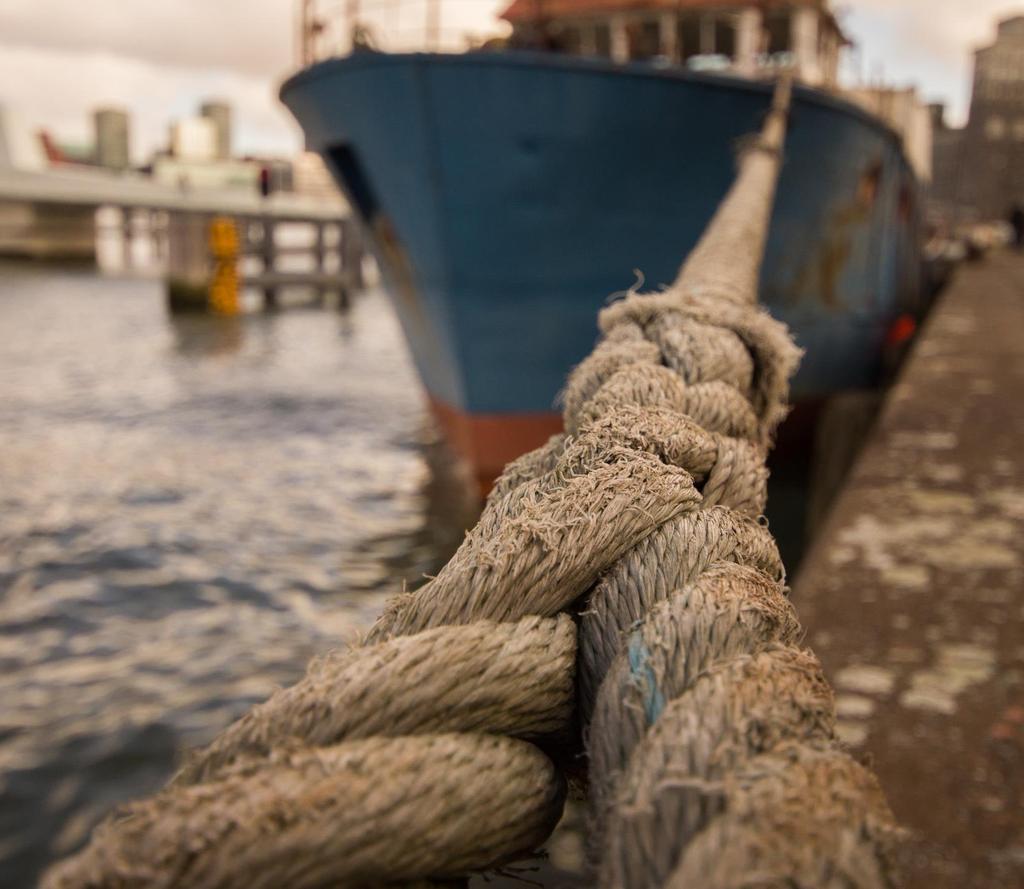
point(417, 755)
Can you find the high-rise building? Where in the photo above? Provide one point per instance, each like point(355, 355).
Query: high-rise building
point(992, 159)
point(310, 176)
point(111, 138)
point(194, 139)
point(947, 162)
point(220, 114)
point(20, 148)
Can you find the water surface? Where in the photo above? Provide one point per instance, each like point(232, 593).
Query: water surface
point(189, 510)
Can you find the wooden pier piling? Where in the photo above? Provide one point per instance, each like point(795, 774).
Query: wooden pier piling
point(188, 262)
point(194, 264)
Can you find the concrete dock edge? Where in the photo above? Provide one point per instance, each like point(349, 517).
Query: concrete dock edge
point(913, 594)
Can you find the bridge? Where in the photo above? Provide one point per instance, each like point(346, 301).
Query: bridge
point(92, 188)
point(50, 213)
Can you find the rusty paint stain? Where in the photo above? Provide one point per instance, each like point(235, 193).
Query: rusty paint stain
point(821, 276)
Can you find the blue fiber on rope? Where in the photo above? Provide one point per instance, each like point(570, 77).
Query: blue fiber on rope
point(641, 670)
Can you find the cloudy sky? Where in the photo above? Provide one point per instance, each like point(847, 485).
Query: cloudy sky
point(159, 58)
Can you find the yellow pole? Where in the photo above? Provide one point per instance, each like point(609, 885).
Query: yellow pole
point(223, 296)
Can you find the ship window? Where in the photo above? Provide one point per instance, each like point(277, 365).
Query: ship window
point(725, 38)
point(689, 36)
point(603, 39)
point(777, 24)
point(644, 40)
point(570, 40)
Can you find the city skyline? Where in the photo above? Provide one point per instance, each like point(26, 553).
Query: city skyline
point(60, 60)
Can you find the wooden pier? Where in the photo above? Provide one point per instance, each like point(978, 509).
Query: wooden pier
point(206, 252)
point(914, 593)
point(52, 214)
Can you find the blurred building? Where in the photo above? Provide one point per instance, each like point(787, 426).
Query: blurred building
point(78, 153)
point(220, 114)
point(799, 34)
point(903, 110)
point(947, 161)
point(194, 139)
point(310, 176)
point(992, 168)
point(110, 127)
point(279, 174)
point(199, 157)
point(205, 175)
point(19, 148)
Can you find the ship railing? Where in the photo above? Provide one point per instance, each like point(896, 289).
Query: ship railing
point(331, 28)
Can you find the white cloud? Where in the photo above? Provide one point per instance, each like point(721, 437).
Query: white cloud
point(948, 28)
point(254, 37)
point(159, 58)
point(927, 42)
point(56, 90)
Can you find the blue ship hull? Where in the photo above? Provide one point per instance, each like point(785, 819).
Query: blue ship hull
point(507, 196)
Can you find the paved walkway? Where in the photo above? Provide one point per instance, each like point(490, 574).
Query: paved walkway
point(914, 594)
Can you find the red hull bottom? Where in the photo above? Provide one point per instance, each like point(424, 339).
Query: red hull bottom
point(488, 442)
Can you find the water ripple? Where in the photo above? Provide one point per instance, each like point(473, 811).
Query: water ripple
point(189, 510)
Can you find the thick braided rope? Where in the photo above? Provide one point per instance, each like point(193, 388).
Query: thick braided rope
point(392, 762)
point(404, 759)
point(713, 760)
point(439, 660)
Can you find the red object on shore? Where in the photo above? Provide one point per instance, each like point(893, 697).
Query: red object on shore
point(901, 331)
